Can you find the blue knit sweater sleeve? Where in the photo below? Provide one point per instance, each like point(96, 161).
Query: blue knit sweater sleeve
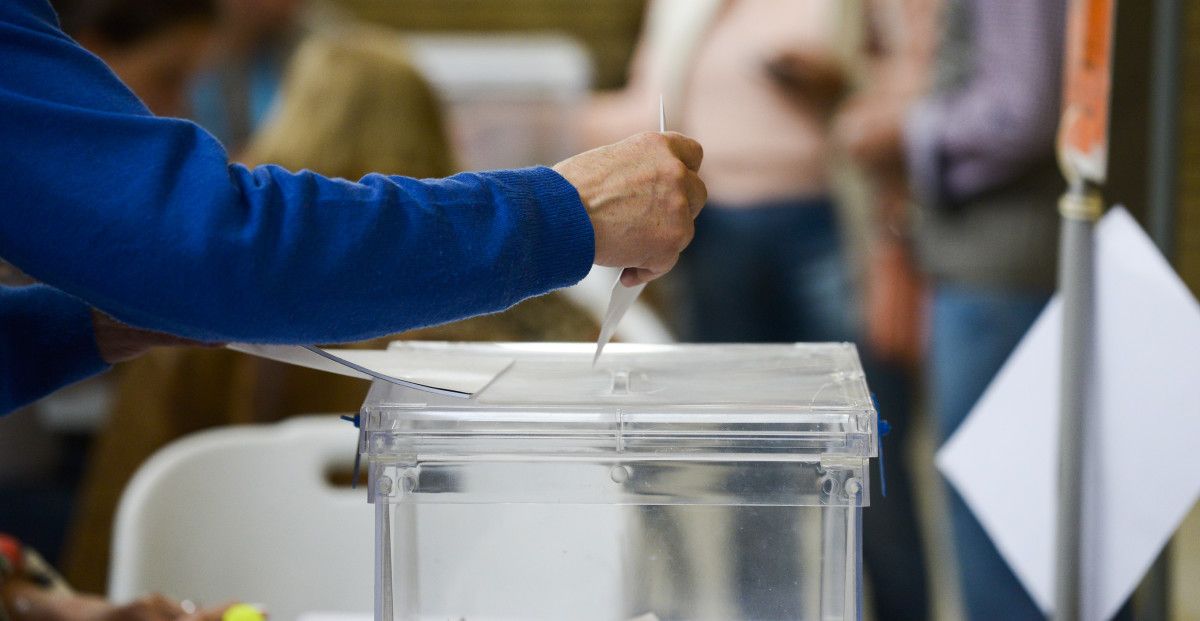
point(46, 342)
point(144, 218)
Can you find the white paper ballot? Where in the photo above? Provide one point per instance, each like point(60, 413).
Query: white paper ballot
point(623, 297)
point(424, 371)
point(1142, 466)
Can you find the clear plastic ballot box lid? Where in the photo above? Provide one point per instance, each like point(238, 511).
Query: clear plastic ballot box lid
point(566, 490)
point(654, 403)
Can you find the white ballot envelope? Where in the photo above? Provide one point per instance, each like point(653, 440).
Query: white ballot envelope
point(425, 371)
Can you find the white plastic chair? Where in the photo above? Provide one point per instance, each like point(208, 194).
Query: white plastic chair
point(247, 514)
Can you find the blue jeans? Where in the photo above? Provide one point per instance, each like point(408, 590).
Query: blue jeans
point(775, 273)
point(767, 274)
point(972, 332)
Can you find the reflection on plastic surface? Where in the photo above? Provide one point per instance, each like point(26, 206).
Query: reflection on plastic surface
point(611, 562)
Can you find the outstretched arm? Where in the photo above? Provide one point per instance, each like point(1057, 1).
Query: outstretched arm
point(144, 218)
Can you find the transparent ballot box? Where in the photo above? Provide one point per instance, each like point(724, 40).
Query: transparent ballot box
point(665, 482)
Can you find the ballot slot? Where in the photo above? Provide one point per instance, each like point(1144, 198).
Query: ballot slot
point(679, 481)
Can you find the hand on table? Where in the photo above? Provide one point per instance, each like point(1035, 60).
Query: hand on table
point(118, 342)
point(28, 602)
point(642, 194)
point(149, 608)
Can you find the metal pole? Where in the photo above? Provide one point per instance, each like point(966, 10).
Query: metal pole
point(1080, 208)
point(1164, 121)
point(1083, 157)
point(1153, 601)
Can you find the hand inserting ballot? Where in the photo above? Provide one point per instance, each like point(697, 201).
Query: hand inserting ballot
point(642, 194)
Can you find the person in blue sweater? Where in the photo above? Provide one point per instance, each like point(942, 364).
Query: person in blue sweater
point(140, 231)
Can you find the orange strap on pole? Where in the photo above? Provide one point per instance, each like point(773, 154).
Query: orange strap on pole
point(1083, 135)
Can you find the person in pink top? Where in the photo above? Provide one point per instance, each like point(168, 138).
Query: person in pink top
point(758, 82)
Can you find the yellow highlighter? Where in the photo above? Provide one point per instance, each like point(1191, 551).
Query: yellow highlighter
point(243, 612)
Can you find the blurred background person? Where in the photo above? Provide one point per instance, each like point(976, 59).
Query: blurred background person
point(349, 104)
point(901, 37)
point(235, 93)
point(895, 57)
point(155, 48)
point(979, 152)
point(758, 81)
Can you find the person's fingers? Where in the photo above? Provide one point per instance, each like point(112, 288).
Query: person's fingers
point(651, 270)
point(629, 277)
point(697, 192)
point(634, 276)
point(118, 342)
point(151, 608)
point(164, 607)
point(217, 613)
point(208, 614)
point(32, 598)
point(687, 150)
point(642, 196)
